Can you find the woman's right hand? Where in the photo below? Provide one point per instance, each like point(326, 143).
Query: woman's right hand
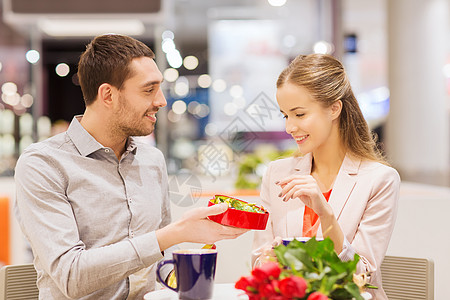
point(267, 253)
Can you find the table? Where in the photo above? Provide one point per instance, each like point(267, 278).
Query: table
point(222, 291)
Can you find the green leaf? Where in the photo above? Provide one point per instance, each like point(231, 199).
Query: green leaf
point(302, 256)
point(369, 286)
point(280, 250)
point(318, 263)
point(293, 261)
point(353, 289)
point(340, 294)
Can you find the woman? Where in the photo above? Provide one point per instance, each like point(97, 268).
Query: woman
point(340, 187)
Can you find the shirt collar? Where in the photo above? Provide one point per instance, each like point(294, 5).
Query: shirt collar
point(86, 143)
point(83, 141)
point(131, 145)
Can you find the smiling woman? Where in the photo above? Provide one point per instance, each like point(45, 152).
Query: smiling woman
point(341, 188)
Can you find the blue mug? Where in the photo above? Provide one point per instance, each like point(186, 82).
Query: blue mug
point(286, 241)
point(195, 270)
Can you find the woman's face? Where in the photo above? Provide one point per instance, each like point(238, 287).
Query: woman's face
point(309, 123)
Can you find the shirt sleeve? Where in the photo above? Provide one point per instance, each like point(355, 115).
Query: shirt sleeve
point(45, 215)
point(166, 220)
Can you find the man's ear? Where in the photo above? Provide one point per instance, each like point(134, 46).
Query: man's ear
point(336, 109)
point(105, 94)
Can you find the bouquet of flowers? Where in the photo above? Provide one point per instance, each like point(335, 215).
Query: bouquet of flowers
point(307, 271)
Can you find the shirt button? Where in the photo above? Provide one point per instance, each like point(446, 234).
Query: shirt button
point(129, 200)
point(132, 234)
point(107, 150)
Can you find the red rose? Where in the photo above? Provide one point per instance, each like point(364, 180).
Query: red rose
point(293, 286)
point(270, 270)
point(267, 290)
point(248, 284)
point(275, 284)
point(317, 296)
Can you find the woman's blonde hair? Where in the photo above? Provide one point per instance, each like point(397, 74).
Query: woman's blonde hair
point(325, 78)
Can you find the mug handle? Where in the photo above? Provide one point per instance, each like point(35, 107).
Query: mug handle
point(162, 281)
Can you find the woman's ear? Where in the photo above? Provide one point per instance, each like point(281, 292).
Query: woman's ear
point(105, 94)
point(336, 109)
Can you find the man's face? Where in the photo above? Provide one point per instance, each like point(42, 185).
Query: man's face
point(139, 99)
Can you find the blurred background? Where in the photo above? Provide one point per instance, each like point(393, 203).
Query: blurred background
point(220, 60)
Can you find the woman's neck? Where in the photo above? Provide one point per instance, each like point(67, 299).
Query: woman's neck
point(327, 161)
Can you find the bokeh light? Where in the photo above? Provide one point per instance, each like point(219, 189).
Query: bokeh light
point(179, 107)
point(32, 56)
point(174, 58)
point(204, 81)
point(236, 91)
point(27, 100)
point(167, 35)
point(171, 74)
point(323, 47)
point(219, 85)
point(182, 86)
point(190, 62)
point(62, 69)
point(211, 129)
point(9, 88)
point(230, 109)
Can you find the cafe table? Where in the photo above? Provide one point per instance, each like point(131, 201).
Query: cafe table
point(222, 291)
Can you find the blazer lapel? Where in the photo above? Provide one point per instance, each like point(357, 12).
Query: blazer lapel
point(343, 187)
point(295, 209)
point(344, 184)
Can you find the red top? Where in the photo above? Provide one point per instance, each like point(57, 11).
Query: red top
point(311, 219)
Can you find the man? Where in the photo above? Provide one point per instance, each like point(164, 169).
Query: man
point(92, 201)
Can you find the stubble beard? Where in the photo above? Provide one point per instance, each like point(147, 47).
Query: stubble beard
point(126, 124)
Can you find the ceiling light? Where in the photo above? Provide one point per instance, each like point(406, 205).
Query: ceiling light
point(277, 2)
point(81, 27)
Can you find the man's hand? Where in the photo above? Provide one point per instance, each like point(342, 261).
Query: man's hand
point(195, 227)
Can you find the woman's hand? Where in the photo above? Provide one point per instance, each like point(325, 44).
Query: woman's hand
point(305, 188)
point(267, 253)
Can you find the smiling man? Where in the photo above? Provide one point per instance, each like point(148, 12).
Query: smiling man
point(92, 201)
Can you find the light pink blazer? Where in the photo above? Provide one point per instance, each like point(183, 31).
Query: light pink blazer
point(364, 200)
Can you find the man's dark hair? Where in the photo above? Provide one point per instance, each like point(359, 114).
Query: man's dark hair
point(106, 60)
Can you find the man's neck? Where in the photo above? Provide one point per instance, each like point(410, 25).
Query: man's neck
point(103, 132)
